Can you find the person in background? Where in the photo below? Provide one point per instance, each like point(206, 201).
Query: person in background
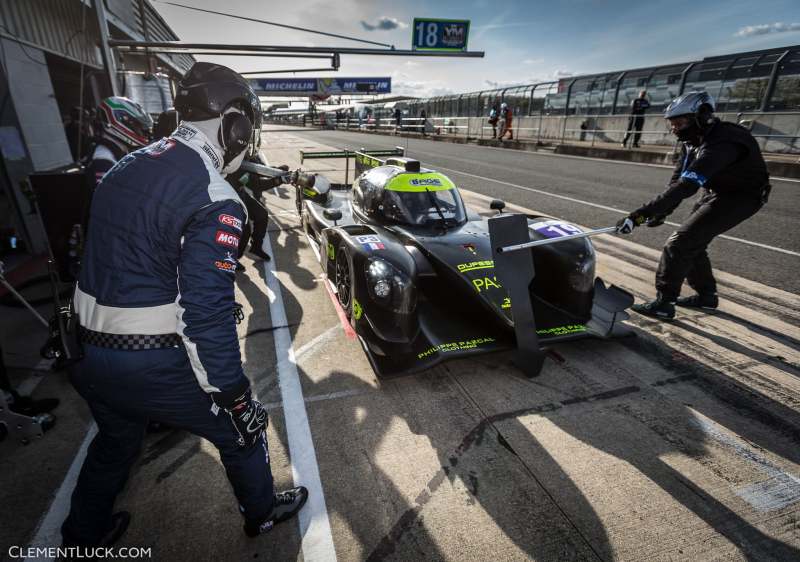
point(124, 127)
point(424, 123)
point(636, 121)
point(398, 120)
point(493, 117)
point(506, 118)
point(724, 162)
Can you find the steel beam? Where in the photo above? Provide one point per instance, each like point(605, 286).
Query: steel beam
point(127, 45)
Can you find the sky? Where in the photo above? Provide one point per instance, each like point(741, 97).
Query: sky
point(524, 41)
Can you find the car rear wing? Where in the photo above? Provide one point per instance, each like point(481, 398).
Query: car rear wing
point(364, 159)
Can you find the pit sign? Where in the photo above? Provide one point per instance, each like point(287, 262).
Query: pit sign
point(440, 35)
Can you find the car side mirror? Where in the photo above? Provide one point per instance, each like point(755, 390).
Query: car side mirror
point(497, 205)
point(332, 215)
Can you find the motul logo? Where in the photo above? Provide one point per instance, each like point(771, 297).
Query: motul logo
point(227, 239)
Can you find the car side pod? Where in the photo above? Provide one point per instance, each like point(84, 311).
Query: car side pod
point(516, 272)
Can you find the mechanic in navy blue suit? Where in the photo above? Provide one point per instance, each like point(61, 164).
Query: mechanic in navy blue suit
point(155, 299)
point(724, 162)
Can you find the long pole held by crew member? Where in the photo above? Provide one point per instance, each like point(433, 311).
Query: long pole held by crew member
point(534, 243)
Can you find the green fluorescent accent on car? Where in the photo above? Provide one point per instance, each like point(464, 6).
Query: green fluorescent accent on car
point(416, 183)
point(331, 251)
point(562, 330)
point(357, 310)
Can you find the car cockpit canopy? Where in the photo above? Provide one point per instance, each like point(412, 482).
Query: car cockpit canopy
point(401, 192)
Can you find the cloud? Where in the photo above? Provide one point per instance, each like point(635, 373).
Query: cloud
point(421, 89)
point(763, 29)
point(532, 61)
point(384, 23)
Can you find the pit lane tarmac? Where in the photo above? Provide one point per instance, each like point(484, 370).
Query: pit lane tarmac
point(679, 444)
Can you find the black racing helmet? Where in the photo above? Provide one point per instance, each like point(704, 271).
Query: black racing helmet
point(698, 104)
point(208, 89)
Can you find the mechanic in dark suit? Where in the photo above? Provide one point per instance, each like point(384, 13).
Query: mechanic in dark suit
point(154, 299)
point(722, 160)
point(638, 108)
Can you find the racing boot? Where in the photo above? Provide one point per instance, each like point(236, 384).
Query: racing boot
point(286, 506)
point(708, 301)
point(660, 308)
point(256, 251)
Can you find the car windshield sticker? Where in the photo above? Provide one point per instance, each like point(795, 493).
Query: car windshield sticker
point(555, 229)
point(420, 182)
point(370, 242)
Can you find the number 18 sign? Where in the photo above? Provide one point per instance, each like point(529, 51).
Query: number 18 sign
point(440, 35)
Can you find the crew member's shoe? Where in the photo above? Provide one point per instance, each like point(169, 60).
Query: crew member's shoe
point(707, 301)
point(27, 406)
point(659, 308)
point(75, 552)
point(256, 251)
point(286, 506)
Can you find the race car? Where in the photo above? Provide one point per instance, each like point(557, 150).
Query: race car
point(414, 271)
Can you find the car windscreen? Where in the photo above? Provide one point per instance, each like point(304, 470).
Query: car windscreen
point(424, 208)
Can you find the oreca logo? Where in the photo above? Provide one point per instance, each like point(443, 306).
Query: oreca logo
point(426, 181)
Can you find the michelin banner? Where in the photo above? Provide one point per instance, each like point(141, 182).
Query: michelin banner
point(321, 86)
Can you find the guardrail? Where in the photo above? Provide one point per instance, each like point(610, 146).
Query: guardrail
point(776, 132)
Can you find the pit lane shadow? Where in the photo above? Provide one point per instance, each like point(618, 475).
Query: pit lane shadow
point(500, 465)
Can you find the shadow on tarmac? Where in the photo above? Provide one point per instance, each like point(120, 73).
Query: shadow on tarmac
point(612, 422)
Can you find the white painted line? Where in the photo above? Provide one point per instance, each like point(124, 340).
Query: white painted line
point(317, 342)
point(780, 490)
point(315, 527)
point(613, 209)
point(48, 533)
point(319, 397)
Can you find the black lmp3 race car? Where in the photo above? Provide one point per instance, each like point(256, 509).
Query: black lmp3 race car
point(414, 269)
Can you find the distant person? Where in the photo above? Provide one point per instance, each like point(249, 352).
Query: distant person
point(506, 118)
point(424, 121)
point(722, 160)
point(493, 117)
point(398, 120)
point(636, 121)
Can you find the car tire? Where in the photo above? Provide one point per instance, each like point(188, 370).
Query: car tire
point(343, 279)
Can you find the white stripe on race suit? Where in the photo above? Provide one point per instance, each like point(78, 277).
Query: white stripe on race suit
point(117, 320)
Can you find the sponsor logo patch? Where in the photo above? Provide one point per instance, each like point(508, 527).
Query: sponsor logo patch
point(226, 239)
point(225, 266)
point(695, 177)
point(370, 242)
point(426, 181)
point(184, 132)
point(230, 220)
point(211, 154)
point(159, 148)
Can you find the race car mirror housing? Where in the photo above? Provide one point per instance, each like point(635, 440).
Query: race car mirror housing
point(497, 205)
point(332, 215)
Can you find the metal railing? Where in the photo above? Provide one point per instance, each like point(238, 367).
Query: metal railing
point(565, 129)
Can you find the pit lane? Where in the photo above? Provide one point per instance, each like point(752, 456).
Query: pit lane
point(679, 444)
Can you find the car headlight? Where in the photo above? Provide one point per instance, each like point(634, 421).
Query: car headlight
point(389, 286)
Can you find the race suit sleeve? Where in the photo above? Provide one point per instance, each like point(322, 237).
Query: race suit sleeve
point(206, 274)
point(709, 161)
point(96, 169)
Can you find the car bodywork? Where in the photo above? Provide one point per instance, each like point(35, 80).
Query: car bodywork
point(420, 286)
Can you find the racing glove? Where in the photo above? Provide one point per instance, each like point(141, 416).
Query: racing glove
point(655, 221)
point(249, 419)
point(627, 224)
